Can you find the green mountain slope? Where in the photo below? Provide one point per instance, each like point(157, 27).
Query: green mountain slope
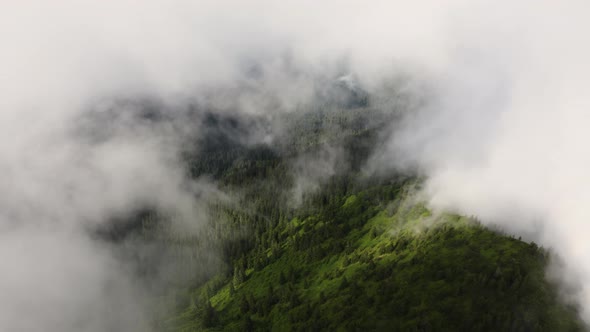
point(367, 262)
point(358, 253)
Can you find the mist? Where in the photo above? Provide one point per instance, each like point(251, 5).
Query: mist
point(495, 120)
point(503, 135)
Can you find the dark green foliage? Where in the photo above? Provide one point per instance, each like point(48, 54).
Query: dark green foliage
point(352, 266)
point(355, 255)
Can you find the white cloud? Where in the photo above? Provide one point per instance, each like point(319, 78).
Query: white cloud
point(503, 136)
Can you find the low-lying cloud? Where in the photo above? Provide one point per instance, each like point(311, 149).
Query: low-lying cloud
point(498, 127)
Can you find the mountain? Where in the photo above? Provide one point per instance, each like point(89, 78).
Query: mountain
point(367, 262)
point(299, 248)
point(303, 238)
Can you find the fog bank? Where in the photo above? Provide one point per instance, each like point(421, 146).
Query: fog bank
point(498, 126)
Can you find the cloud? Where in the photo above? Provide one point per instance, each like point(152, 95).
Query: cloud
point(498, 125)
point(503, 135)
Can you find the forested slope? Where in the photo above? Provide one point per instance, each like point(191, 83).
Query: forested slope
point(366, 262)
point(356, 252)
